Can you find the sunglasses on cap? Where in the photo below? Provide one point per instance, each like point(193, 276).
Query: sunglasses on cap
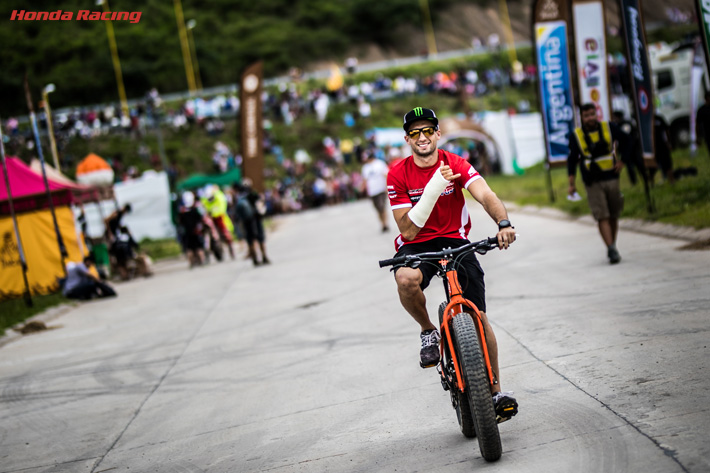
point(428, 131)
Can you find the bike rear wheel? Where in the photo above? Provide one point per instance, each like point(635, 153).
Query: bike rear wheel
point(460, 400)
point(470, 358)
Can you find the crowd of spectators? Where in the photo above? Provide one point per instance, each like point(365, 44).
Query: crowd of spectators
point(330, 176)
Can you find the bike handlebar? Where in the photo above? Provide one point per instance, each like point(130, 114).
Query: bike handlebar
point(481, 247)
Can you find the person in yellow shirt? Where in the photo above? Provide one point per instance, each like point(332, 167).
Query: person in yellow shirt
point(593, 149)
point(215, 203)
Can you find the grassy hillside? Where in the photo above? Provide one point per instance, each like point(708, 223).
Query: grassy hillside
point(229, 35)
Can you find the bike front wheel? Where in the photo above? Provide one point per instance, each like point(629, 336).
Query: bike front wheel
point(459, 399)
point(471, 362)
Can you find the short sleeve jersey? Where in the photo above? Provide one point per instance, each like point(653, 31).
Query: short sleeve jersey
point(449, 218)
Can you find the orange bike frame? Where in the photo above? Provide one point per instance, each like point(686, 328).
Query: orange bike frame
point(455, 306)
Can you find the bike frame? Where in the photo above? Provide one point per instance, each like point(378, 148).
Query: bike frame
point(454, 307)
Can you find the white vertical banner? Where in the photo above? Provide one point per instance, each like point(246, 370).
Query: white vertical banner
point(590, 47)
point(696, 78)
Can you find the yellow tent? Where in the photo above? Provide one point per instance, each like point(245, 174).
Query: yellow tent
point(39, 240)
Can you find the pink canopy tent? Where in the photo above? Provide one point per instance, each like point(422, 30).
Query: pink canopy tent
point(28, 190)
point(82, 193)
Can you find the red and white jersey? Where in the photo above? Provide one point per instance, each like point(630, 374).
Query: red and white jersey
point(449, 218)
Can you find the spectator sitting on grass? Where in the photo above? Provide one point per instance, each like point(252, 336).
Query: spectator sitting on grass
point(83, 284)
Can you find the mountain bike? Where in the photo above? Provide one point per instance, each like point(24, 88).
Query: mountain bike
point(465, 367)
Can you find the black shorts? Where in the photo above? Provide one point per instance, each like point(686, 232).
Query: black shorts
point(253, 230)
point(194, 242)
point(470, 272)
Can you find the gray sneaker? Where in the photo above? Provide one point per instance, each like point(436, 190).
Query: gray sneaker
point(429, 354)
point(614, 256)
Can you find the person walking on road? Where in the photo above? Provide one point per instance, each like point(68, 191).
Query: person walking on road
point(593, 149)
point(429, 207)
point(374, 172)
point(192, 223)
point(251, 211)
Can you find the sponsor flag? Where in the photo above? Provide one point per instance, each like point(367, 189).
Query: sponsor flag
point(696, 78)
point(590, 47)
point(702, 8)
point(550, 26)
point(252, 125)
point(640, 73)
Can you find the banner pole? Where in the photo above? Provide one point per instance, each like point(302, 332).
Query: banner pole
point(23, 261)
point(550, 189)
point(650, 205)
point(33, 119)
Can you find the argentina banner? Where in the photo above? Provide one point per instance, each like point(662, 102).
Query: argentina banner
point(553, 70)
point(555, 88)
point(640, 72)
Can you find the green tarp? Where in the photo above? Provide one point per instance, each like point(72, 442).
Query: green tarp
point(198, 180)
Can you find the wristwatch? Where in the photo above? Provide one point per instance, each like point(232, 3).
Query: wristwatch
point(504, 224)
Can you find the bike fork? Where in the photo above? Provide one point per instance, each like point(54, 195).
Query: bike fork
point(448, 316)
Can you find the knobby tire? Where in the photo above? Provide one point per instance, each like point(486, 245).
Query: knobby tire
point(463, 408)
point(472, 365)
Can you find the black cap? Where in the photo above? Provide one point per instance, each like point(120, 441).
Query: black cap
point(420, 113)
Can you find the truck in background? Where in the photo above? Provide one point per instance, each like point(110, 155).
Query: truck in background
point(672, 67)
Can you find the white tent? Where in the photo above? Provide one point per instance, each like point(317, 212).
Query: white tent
point(149, 197)
point(519, 137)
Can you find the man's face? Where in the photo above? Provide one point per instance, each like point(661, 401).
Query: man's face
point(589, 118)
point(421, 144)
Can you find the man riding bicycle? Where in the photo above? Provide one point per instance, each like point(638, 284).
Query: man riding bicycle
point(430, 210)
point(215, 203)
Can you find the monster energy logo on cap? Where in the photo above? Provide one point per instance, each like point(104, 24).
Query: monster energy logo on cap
point(420, 113)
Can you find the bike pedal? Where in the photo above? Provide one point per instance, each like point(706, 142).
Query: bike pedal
point(506, 412)
point(427, 366)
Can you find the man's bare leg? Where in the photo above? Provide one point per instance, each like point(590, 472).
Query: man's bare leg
point(606, 231)
point(264, 259)
point(614, 224)
point(412, 297)
point(492, 345)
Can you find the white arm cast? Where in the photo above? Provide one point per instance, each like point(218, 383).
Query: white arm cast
point(420, 212)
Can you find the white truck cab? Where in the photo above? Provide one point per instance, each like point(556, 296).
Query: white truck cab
point(671, 67)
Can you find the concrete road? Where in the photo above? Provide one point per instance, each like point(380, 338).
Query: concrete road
point(311, 365)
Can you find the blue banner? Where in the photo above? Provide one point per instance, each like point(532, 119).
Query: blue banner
point(553, 72)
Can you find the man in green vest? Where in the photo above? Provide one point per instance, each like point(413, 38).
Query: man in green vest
point(593, 148)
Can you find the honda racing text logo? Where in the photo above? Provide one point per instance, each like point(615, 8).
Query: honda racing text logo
point(88, 15)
